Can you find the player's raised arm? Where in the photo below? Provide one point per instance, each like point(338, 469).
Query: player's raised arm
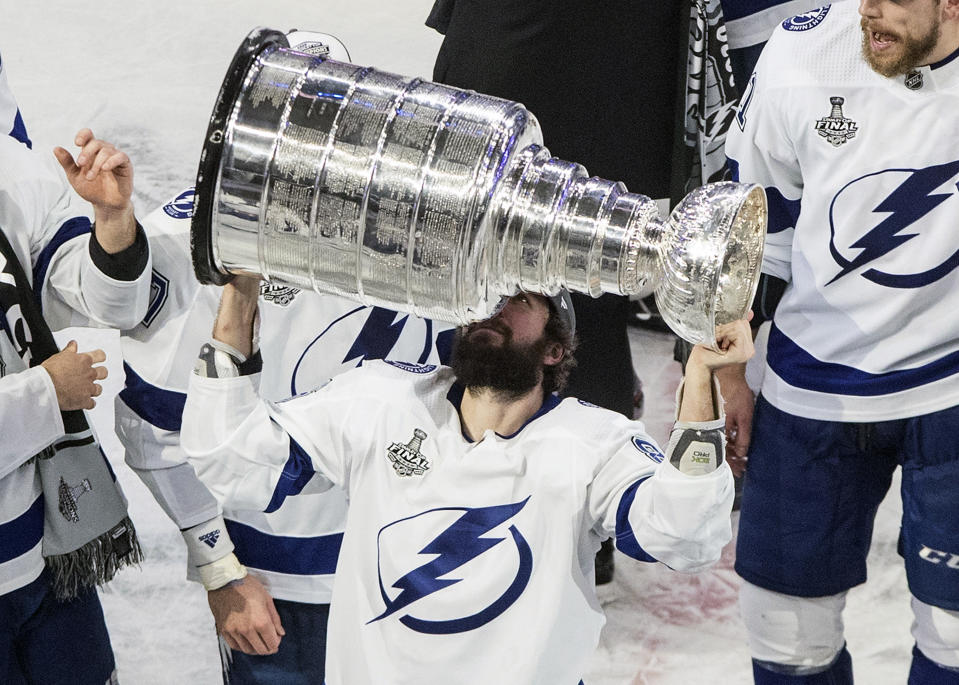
point(697, 443)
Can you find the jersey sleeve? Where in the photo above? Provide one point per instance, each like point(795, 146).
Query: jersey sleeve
point(149, 409)
point(27, 398)
point(252, 454)
point(760, 150)
point(657, 513)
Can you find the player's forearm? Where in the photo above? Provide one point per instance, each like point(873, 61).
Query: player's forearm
point(236, 318)
point(698, 401)
point(116, 229)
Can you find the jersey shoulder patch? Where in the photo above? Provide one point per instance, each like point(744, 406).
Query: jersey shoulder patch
point(646, 448)
point(181, 207)
point(807, 20)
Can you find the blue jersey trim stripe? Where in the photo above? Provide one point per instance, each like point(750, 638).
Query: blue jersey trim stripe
point(626, 540)
point(69, 230)
point(19, 536)
point(296, 474)
point(800, 369)
point(19, 130)
point(945, 60)
point(783, 213)
point(158, 407)
point(309, 556)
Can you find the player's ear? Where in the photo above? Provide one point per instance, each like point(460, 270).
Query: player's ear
point(553, 354)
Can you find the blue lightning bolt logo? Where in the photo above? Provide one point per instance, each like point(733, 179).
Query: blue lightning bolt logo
point(458, 544)
point(378, 337)
point(907, 204)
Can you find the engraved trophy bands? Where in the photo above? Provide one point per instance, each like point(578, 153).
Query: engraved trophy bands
point(437, 201)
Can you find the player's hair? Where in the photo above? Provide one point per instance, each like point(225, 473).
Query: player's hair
point(556, 330)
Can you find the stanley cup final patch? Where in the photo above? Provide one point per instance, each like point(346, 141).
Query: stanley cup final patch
point(406, 457)
point(836, 128)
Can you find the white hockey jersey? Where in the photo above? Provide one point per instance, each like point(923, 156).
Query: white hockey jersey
point(49, 229)
point(463, 562)
point(306, 339)
point(862, 175)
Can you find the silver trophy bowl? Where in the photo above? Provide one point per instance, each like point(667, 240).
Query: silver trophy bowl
point(438, 201)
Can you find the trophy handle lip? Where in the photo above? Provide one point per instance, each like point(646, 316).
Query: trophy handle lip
point(201, 226)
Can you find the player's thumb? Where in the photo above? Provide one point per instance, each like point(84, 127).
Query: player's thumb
point(275, 617)
point(71, 346)
point(66, 161)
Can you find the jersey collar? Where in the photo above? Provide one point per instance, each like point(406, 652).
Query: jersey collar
point(938, 75)
point(455, 397)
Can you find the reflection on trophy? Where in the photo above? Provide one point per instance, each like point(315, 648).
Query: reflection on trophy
point(435, 200)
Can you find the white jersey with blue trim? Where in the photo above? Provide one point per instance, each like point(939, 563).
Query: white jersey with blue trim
point(457, 552)
point(49, 230)
point(306, 339)
point(862, 176)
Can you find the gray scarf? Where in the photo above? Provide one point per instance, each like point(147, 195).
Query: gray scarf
point(87, 535)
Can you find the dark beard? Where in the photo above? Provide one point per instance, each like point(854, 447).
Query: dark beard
point(508, 369)
point(914, 52)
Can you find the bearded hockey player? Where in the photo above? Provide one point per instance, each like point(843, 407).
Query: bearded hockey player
point(477, 498)
point(851, 122)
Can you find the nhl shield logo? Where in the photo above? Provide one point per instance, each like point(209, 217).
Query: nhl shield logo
point(406, 458)
point(836, 128)
point(913, 80)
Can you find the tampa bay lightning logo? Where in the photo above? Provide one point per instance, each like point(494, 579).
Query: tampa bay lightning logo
point(181, 207)
point(918, 210)
point(362, 333)
point(490, 573)
point(806, 20)
point(647, 448)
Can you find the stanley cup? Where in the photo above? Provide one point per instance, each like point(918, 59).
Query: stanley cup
point(434, 200)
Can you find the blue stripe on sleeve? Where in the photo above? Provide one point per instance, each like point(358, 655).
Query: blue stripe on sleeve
point(70, 229)
point(296, 474)
point(19, 130)
point(292, 555)
point(159, 407)
point(626, 541)
point(23, 533)
point(783, 213)
point(802, 370)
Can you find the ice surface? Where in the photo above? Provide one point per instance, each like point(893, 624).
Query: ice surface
point(144, 75)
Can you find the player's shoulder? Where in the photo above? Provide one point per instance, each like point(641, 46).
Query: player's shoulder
point(600, 433)
point(818, 38)
point(388, 377)
point(589, 422)
point(815, 26)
